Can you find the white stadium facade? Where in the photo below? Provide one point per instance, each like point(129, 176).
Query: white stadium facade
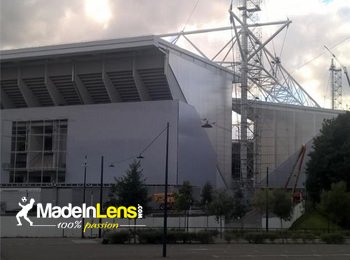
point(110, 98)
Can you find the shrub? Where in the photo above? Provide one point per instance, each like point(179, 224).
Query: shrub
point(229, 236)
point(204, 237)
point(183, 236)
point(213, 232)
point(150, 236)
point(189, 237)
point(284, 235)
point(173, 236)
point(116, 237)
point(346, 233)
point(333, 238)
point(272, 236)
point(255, 237)
point(232, 235)
point(295, 236)
point(308, 237)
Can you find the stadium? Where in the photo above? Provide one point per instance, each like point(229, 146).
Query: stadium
point(110, 98)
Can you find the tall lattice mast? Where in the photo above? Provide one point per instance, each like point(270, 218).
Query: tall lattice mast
point(246, 47)
point(336, 86)
point(261, 73)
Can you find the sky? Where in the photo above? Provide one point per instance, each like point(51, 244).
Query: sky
point(315, 23)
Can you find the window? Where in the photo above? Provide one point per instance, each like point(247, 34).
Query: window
point(38, 151)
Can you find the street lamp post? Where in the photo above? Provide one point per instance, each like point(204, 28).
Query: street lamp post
point(84, 189)
point(166, 192)
point(140, 156)
point(101, 196)
point(267, 201)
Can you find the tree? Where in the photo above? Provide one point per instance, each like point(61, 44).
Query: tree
point(330, 159)
point(335, 203)
point(261, 199)
point(130, 189)
point(206, 194)
point(206, 198)
point(281, 204)
point(221, 206)
point(184, 199)
point(239, 207)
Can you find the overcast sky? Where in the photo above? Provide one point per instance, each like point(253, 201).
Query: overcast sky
point(315, 23)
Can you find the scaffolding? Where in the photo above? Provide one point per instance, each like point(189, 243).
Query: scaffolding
point(336, 86)
point(258, 76)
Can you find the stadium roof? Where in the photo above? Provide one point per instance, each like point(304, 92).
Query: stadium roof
point(120, 70)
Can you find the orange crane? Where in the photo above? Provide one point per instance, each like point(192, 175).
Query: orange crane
point(296, 195)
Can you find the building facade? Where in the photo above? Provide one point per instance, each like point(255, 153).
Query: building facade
point(113, 99)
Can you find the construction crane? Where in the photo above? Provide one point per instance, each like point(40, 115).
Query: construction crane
point(343, 67)
point(336, 81)
point(296, 196)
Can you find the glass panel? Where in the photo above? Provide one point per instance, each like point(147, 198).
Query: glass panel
point(39, 146)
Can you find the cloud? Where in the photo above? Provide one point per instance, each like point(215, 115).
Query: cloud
point(315, 23)
point(41, 22)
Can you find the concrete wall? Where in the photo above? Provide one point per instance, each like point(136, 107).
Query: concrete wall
point(275, 222)
point(283, 129)
point(209, 90)
point(194, 147)
point(121, 131)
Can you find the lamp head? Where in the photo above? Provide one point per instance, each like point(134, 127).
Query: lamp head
point(207, 125)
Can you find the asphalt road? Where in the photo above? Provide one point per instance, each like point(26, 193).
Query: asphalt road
point(67, 249)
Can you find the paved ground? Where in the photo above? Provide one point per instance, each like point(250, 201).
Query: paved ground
point(67, 249)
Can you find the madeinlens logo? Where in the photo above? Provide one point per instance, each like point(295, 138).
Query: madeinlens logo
point(69, 211)
point(49, 211)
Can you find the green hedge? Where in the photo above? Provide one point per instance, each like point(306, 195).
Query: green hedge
point(272, 236)
point(205, 237)
point(333, 238)
point(176, 236)
point(116, 237)
point(260, 237)
point(233, 235)
point(255, 237)
point(155, 236)
point(151, 236)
